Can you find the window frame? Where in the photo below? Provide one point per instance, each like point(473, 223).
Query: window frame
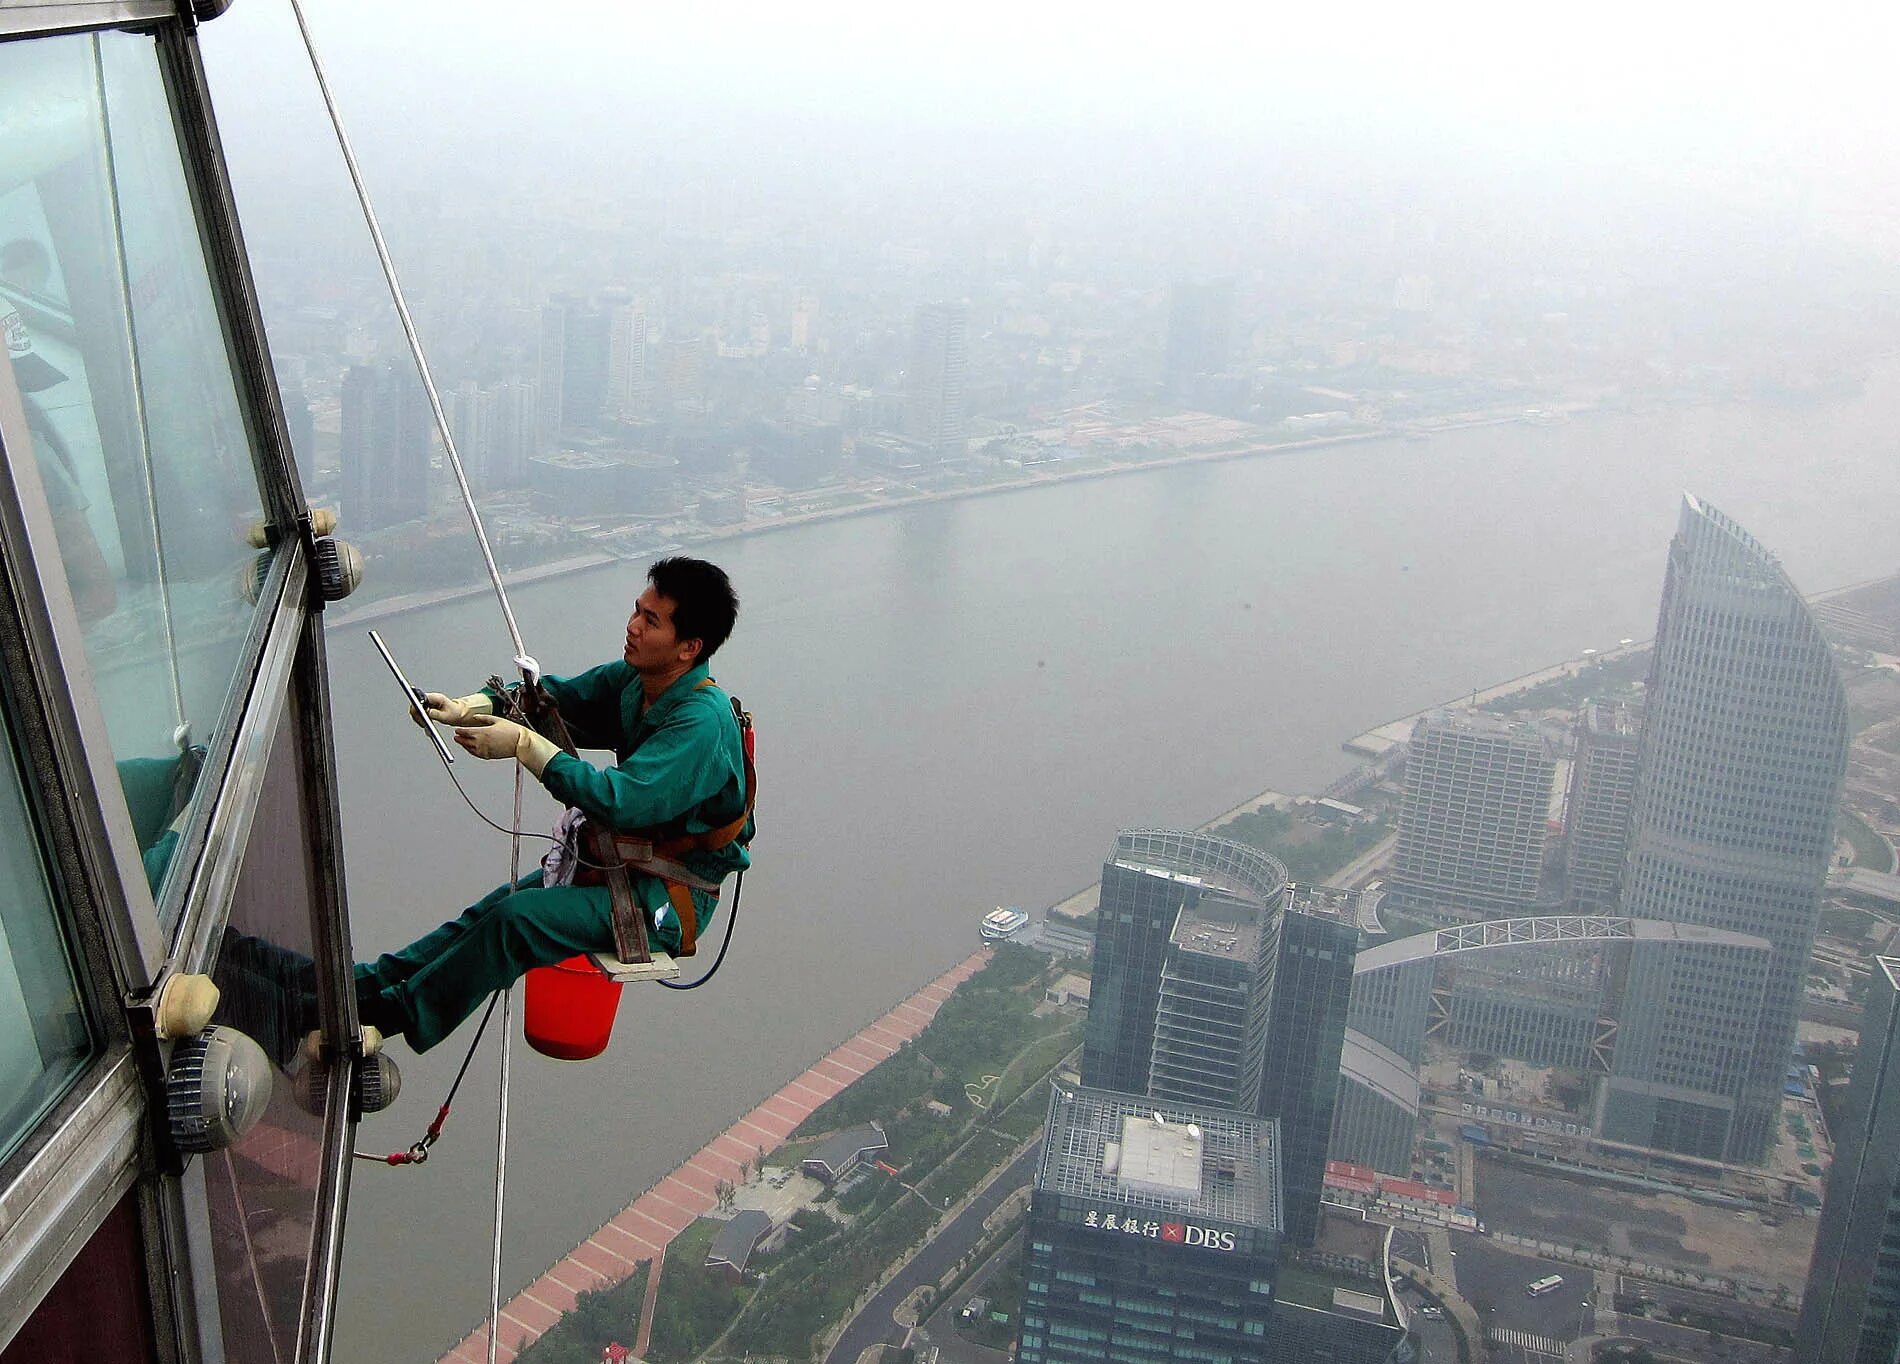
point(74, 1166)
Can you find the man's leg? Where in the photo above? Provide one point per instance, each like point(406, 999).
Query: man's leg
point(489, 947)
point(393, 968)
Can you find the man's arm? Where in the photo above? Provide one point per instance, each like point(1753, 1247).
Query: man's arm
point(679, 767)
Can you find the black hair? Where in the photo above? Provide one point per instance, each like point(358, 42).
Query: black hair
point(704, 604)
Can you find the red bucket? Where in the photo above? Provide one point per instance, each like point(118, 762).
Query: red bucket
point(570, 1013)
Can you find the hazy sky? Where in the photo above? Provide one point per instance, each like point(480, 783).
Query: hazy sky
point(1723, 94)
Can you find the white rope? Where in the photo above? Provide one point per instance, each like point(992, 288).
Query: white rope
point(522, 659)
point(501, 1103)
point(409, 330)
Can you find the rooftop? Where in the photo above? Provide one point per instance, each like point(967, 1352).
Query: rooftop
point(1156, 1156)
point(1198, 859)
point(1227, 1169)
point(1219, 929)
point(837, 1152)
point(735, 1241)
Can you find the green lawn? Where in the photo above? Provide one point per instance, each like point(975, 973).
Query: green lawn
point(597, 1321)
point(695, 1303)
point(1870, 850)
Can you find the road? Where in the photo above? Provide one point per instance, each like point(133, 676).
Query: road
point(875, 1324)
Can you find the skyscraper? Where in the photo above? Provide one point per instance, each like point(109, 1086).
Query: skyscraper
point(1151, 877)
point(1597, 807)
point(1211, 1018)
point(1154, 1233)
point(512, 433)
point(1851, 1311)
point(626, 361)
point(1474, 817)
point(1743, 752)
point(1299, 1071)
point(933, 385)
point(550, 377)
point(386, 435)
point(586, 361)
point(1208, 989)
point(1200, 332)
point(471, 419)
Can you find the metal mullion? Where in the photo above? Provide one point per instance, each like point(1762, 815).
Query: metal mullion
point(208, 180)
point(89, 1156)
point(334, 951)
point(317, 1316)
point(259, 707)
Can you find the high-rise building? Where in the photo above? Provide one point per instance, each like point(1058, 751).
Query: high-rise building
point(1211, 1018)
point(626, 361)
point(934, 414)
point(1474, 817)
point(386, 435)
point(1207, 988)
point(586, 362)
point(1299, 1073)
point(1154, 1233)
point(512, 433)
point(1597, 807)
point(1744, 749)
point(550, 377)
point(1150, 879)
point(471, 419)
point(1200, 332)
point(1851, 1311)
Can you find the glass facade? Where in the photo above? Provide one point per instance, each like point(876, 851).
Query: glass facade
point(1744, 750)
point(1312, 990)
point(1149, 880)
point(1852, 1308)
point(132, 415)
point(44, 1037)
point(1119, 1272)
point(165, 690)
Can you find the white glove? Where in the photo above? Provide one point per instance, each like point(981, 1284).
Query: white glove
point(453, 710)
point(489, 736)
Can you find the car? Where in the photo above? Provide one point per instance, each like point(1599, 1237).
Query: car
point(1431, 1312)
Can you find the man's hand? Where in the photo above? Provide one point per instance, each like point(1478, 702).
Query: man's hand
point(452, 710)
point(490, 736)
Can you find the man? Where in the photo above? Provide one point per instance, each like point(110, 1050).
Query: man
point(679, 763)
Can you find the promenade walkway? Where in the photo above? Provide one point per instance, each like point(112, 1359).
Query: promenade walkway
point(643, 1229)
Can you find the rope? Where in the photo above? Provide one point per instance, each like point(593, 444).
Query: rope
point(529, 669)
point(501, 1102)
point(409, 330)
point(418, 1152)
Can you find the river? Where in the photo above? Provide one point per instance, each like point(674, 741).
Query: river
point(959, 704)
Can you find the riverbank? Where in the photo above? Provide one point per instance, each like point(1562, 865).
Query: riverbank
point(369, 612)
point(642, 1230)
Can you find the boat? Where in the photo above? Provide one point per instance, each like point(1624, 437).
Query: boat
point(1002, 922)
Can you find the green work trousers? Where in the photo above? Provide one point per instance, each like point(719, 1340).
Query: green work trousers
point(430, 986)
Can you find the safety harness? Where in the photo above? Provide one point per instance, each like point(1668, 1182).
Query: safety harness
point(610, 857)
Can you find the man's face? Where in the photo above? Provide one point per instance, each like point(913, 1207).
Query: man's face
point(652, 644)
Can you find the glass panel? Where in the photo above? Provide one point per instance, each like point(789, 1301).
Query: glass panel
point(43, 1036)
point(132, 411)
point(262, 1191)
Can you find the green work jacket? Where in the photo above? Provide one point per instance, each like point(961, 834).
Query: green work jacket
point(678, 762)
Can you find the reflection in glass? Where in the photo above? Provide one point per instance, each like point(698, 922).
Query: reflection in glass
point(43, 1036)
point(131, 408)
point(262, 1192)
